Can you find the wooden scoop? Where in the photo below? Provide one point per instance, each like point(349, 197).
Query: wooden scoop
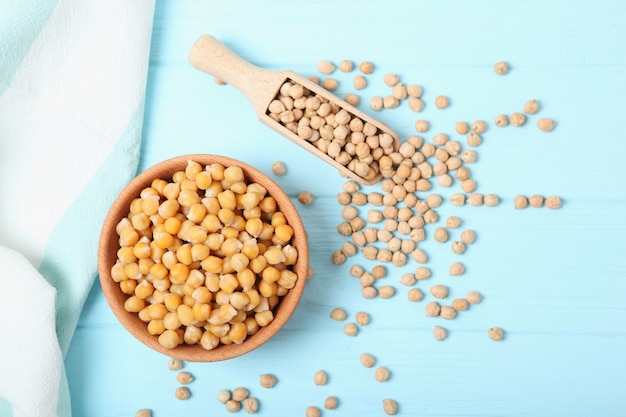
point(261, 86)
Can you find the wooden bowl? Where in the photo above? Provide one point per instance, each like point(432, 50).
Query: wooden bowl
point(109, 245)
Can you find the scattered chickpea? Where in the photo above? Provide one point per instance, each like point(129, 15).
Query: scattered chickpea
point(184, 378)
point(416, 104)
point(352, 99)
point(233, 406)
point(359, 82)
point(278, 168)
point(240, 394)
point(346, 65)
point(362, 318)
point(382, 374)
point(432, 309)
point(501, 68)
point(414, 90)
point(439, 333)
point(441, 102)
point(326, 67)
point(312, 411)
point(468, 236)
point(175, 364)
point(440, 235)
point(338, 257)
point(350, 329)
point(479, 126)
point(320, 378)
point(390, 102)
point(457, 199)
point(501, 120)
point(475, 199)
point(386, 291)
point(250, 405)
point(366, 67)
point(517, 119)
point(458, 247)
point(422, 273)
point(453, 222)
point(460, 304)
point(224, 395)
point(447, 312)
point(338, 314)
point(553, 202)
point(331, 402)
point(461, 128)
point(520, 202)
point(182, 393)
point(407, 279)
point(473, 297)
point(536, 201)
point(456, 269)
point(367, 293)
point(367, 360)
point(545, 124)
point(376, 103)
point(531, 107)
point(390, 406)
point(473, 139)
point(144, 412)
point(421, 126)
point(267, 380)
point(306, 197)
point(491, 200)
point(496, 334)
point(391, 79)
point(439, 291)
point(415, 295)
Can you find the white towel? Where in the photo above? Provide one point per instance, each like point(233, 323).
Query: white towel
point(72, 88)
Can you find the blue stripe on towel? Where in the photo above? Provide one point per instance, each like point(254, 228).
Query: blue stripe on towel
point(20, 24)
point(70, 259)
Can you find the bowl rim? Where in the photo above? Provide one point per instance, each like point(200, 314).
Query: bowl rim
point(109, 241)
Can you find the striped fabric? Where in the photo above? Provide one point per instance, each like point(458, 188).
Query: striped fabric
point(72, 87)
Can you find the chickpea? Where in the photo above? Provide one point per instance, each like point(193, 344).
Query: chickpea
point(326, 67)
point(517, 119)
point(501, 68)
point(390, 406)
point(439, 333)
point(501, 120)
point(278, 168)
point(545, 124)
point(441, 102)
point(320, 378)
point(496, 334)
point(553, 202)
point(367, 360)
point(473, 297)
point(531, 107)
point(359, 82)
point(306, 198)
point(182, 393)
point(331, 402)
point(366, 67)
point(382, 374)
point(267, 380)
point(346, 65)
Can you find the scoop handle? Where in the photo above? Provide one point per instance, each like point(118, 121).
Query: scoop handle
point(259, 85)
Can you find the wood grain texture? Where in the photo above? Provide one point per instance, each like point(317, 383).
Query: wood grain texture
point(554, 280)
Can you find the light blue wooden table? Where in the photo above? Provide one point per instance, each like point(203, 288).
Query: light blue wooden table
point(555, 280)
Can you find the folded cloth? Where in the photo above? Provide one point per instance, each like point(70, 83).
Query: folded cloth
point(72, 87)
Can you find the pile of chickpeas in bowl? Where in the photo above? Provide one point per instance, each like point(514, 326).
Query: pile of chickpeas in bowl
point(207, 257)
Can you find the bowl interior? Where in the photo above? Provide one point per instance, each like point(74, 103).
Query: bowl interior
point(109, 244)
